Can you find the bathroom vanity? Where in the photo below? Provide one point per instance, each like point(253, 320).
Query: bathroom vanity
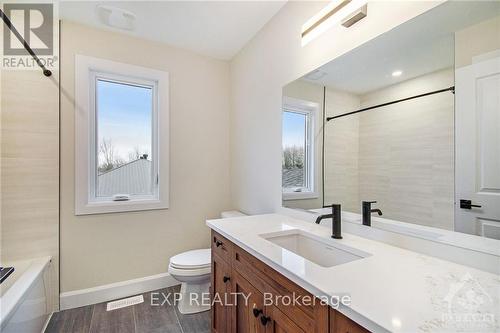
point(270, 257)
point(236, 271)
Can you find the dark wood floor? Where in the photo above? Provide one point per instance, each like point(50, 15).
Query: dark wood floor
point(140, 318)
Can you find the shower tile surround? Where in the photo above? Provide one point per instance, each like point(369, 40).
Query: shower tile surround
point(30, 171)
point(370, 156)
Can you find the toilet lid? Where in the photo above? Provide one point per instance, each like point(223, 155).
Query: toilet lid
point(191, 259)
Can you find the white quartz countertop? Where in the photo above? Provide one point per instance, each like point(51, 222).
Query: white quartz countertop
point(393, 289)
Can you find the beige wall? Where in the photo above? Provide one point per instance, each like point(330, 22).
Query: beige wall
point(306, 91)
point(476, 40)
point(30, 170)
point(106, 248)
point(273, 58)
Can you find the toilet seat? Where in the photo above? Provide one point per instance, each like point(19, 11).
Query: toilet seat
point(193, 260)
point(189, 272)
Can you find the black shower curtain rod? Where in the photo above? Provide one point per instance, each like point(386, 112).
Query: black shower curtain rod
point(28, 48)
point(452, 89)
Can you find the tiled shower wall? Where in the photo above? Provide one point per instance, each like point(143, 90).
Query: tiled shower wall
point(30, 170)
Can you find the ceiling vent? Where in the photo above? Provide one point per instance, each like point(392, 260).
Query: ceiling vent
point(116, 17)
point(315, 75)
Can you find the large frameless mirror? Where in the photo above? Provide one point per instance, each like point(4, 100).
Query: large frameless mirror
point(408, 123)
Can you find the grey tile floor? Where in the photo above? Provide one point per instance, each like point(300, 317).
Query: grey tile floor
point(140, 318)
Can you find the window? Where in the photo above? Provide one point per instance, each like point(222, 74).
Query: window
point(121, 123)
point(124, 118)
point(298, 174)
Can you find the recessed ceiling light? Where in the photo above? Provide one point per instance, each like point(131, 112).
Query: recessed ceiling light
point(397, 73)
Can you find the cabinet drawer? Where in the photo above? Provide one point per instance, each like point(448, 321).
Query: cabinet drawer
point(310, 317)
point(221, 247)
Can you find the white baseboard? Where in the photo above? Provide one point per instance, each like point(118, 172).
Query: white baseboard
point(113, 291)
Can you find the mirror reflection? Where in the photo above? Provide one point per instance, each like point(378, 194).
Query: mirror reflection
point(411, 134)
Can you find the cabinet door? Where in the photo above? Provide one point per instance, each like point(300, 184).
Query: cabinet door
point(276, 321)
point(221, 287)
point(248, 307)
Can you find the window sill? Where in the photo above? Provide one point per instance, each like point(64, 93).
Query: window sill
point(103, 207)
point(299, 195)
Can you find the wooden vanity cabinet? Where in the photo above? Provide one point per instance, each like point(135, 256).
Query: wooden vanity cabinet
point(241, 276)
point(341, 324)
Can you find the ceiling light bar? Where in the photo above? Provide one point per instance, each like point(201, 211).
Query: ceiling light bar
point(355, 16)
point(334, 13)
point(323, 15)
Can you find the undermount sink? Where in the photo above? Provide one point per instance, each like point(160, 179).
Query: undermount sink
point(323, 252)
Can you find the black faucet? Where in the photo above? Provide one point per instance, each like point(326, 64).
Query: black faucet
point(336, 220)
point(367, 212)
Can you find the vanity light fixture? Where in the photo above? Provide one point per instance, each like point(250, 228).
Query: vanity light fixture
point(346, 12)
point(355, 16)
point(397, 73)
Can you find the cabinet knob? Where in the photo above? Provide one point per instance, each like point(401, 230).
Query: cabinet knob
point(218, 243)
point(264, 320)
point(226, 278)
point(256, 312)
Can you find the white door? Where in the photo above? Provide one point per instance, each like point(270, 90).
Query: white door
point(477, 148)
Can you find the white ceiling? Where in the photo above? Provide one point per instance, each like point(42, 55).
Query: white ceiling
point(420, 46)
point(214, 28)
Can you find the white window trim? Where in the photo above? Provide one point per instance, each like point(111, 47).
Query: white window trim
point(86, 70)
point(312, 109)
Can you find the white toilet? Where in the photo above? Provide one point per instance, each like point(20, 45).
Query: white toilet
point(192, 269)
